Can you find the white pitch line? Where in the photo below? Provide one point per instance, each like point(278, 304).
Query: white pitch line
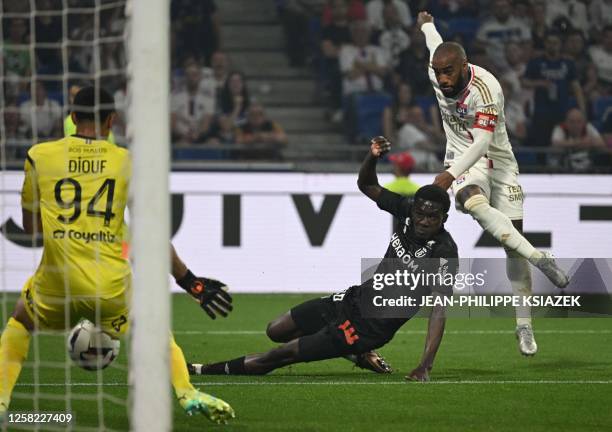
point(408, 332)
point(333, 383)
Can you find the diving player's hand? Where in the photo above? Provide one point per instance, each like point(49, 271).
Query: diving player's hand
point(424, 17)
point(210, 293)
point(444, 180)
point(420, 373)
point(379, 146)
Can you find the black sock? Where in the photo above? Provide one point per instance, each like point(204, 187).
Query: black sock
point(236, 366)
point(231, 367)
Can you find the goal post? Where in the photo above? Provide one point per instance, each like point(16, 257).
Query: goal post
point(50, 49)
point(149, 134)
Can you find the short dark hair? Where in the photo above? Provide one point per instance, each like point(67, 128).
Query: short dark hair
point(434, 193)
point(88, 106)
point(449, 47)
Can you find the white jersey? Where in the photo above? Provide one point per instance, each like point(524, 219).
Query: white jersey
point(480, 104)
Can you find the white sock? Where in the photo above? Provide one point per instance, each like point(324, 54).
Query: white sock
point(499, 226)
point(519, 273)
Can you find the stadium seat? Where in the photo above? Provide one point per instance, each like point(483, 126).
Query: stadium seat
point(425, 102)
point(572, 102)
point(465, 27)
point(199, 154)
point(369, 108)
point(314, 35)
point(526, 157)
point(600, 108)
point(56, 95)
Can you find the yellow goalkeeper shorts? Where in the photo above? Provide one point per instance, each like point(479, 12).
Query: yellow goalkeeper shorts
point(49, 312)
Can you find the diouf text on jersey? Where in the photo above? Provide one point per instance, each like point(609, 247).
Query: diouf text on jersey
point(86, 166)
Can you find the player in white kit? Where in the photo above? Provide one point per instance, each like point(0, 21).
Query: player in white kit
point(480, 166)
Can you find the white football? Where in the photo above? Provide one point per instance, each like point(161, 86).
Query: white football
point(91, 348)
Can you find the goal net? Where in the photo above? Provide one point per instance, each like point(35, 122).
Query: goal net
point(49, 50)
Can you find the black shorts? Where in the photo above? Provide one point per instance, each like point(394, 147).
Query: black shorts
point(329, 331)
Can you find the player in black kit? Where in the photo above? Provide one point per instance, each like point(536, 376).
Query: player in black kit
point(334, 326)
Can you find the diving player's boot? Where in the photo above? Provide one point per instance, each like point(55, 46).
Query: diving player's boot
point(547, 265)
point(194, 368)
point(526, 340)
point(216, 410)
point(370, 360)
point(3, 410)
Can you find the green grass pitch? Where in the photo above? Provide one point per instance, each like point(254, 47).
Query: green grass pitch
point(479, 383)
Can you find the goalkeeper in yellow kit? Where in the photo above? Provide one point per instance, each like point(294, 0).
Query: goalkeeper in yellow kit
point(75, 193)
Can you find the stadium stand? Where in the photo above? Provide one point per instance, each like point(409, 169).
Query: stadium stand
point(275, 46)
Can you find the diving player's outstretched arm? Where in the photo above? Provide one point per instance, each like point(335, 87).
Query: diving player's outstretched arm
point(432, 38)
point(435, 330)
point(449, 264)
point(368, 180)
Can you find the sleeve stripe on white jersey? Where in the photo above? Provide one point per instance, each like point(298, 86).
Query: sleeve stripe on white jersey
point(484, 90)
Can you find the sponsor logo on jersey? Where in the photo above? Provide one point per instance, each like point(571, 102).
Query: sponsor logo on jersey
point(87, 237)
point(402, 253)
point(460, 179)
point(515, 193)
point(455, 123)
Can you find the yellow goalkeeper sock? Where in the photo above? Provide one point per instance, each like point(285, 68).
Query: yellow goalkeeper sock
point(178, 370)
point(14, 346)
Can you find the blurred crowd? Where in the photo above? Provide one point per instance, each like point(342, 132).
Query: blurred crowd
point(213, 115)
point(48, 58)
point(553, 59)
point(47, 55)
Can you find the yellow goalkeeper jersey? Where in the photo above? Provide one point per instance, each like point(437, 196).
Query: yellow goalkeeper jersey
point(80, 187)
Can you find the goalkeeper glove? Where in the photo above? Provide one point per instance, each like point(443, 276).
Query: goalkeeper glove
point(210, 293)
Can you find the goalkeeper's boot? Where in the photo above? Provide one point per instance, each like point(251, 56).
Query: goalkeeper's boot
point(526, 340)
point(216, 410)
point(370, 360)
point(547, 265)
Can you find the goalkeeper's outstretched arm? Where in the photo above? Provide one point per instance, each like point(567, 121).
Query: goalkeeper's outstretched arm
point(210, 293)
point(178, 267)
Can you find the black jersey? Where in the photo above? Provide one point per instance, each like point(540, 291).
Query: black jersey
point(403, 247)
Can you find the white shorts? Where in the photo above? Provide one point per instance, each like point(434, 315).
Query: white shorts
point(500, 186)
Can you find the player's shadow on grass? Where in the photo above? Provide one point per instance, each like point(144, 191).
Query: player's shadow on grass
point(462, 373)
point(571, 364)
point(357, 374)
